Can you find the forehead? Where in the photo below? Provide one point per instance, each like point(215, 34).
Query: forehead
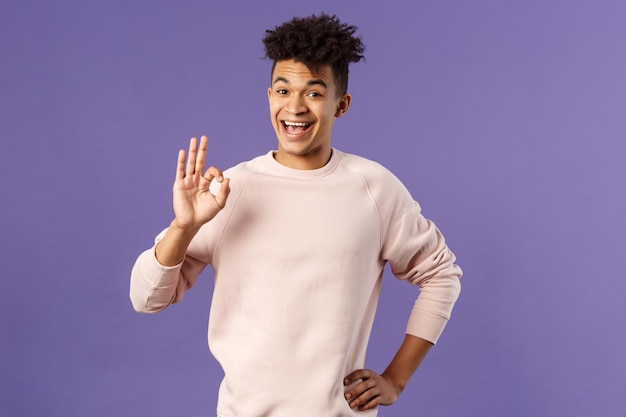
point(294, 72)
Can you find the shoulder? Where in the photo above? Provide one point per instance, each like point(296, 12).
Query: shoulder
point(358, 163)
point(377, 177)
point(389, 195)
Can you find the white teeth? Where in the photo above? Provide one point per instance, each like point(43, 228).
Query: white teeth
point(295, 124)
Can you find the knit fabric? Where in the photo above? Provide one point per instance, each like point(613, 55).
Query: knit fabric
point(298, 258)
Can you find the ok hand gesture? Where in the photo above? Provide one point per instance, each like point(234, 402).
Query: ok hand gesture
point(194, 204)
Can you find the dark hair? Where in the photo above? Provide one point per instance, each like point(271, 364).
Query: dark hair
point(315, 41)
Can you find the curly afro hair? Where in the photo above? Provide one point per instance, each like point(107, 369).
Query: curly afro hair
point(315, 41)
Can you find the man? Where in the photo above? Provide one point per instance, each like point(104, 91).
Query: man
point(298, 239)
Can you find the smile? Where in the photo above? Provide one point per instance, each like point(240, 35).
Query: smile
point(295, 128)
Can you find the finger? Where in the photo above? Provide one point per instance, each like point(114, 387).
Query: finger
point(223, 193)
point(357, 375)
point(191, 158)
point(373, 402)
point(180, 165)
point(364, 393)
point(213, 172)
point(359, 389)
point(201, 157)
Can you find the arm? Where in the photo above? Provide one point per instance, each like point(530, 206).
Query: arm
point(384, 389)
point(194, 204)
point(156, 281)
point(438, 278)
point(417, 252)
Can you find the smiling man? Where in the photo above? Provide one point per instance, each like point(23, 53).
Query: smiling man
point(298, 239)
point(304, 103)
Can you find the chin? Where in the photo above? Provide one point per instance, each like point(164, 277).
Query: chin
point(296, 150)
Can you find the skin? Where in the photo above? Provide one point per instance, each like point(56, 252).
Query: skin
point(306, 95)
point(302, 95)
point(194, 204)
point(373, 389)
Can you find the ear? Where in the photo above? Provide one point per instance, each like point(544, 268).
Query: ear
point(343, 104)
point(269, 92)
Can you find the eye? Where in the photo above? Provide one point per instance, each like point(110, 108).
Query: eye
point(281, 91)
point(314, 94)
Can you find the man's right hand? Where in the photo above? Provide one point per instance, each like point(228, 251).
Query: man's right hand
point(194, 204)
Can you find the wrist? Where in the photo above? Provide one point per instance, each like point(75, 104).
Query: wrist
point(183, 230)
point(170, 251)
point(397, 383)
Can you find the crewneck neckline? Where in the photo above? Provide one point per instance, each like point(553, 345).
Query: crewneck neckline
point(277, 168)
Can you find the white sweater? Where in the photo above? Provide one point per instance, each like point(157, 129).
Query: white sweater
point(298, 257)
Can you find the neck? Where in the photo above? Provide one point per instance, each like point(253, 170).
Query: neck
point(309, 161)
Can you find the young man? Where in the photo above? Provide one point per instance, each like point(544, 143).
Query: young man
point(298, 239)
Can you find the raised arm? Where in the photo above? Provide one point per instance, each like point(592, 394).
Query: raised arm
point(157, 280)
point(194, 204)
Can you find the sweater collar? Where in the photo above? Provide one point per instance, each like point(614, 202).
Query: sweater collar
point(274, 167)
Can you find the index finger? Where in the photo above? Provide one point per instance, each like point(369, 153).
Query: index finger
point(359, 374)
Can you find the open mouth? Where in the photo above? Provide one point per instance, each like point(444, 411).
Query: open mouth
point(295, 128)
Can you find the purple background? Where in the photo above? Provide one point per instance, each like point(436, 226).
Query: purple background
point(506, 120)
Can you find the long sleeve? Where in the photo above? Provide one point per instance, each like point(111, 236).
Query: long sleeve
point(153, 286)
point(418, 253)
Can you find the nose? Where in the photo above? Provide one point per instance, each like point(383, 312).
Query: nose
point(296, 104)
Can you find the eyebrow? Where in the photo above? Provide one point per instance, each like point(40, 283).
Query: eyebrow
point(315, 81)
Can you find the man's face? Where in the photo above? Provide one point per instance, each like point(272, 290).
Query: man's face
point(303, 107)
